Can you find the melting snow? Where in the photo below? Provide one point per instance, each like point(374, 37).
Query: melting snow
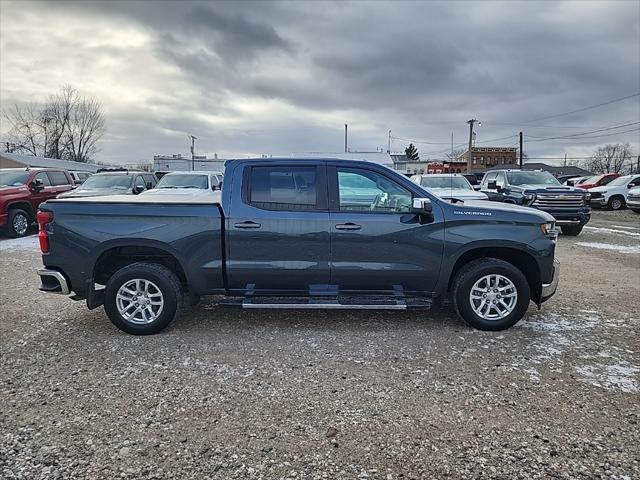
point(611, 377)
point(612, 247)
point(25, 243)
point(613, 230)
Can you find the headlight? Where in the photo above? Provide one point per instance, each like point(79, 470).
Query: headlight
point(529, 198)
point(549, 230)
point(587, 195)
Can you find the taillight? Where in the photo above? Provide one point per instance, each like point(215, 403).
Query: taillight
point(43, 219)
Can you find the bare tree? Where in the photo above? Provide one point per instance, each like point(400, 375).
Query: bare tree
point(67, 126)
point(453, 155)
point(611, 158)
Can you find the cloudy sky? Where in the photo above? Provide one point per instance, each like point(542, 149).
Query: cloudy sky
point(251, 78)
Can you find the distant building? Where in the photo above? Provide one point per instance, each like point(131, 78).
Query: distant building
point(483, 158)
point(14, 160)
point(447, 166)
point(173, 163)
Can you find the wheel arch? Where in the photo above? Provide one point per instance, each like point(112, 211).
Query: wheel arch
point(22, 205)
point(522, 260)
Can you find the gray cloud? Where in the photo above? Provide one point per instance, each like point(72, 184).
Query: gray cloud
point(275, 77)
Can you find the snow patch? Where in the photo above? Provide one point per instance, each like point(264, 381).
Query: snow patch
point(635, 249)
point(612, 377)
point(24, 243)
point(613, 230)
point(626, 227)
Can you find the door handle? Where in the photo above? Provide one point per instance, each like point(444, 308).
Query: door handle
point(247, 224)
point(348, 226)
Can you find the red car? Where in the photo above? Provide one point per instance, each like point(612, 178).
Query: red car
point(597, 181)
point(22, 190)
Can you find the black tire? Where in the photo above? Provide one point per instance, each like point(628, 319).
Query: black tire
point(474, 271)
point(616, 203)
point(18, 216)
point(571, 230)
point(635, 210)
point(167, 283)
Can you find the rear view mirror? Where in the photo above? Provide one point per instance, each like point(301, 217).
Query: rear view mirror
point(421, 206)
point(37, 185)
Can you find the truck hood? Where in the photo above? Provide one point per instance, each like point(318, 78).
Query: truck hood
point(460, 193)
point(487, 209)
point(13, 190)
point(93, 192)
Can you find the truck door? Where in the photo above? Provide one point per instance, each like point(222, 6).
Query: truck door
point(377, 244)
point(278, 229)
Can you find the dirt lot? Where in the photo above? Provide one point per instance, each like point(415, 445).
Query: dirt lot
point(270, 394)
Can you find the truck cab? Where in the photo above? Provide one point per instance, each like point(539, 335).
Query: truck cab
point(539, 189)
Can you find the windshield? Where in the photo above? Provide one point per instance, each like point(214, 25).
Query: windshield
point(121, 182)
point(183, 180)
point(590, 179)
point(619, 181)
point(445, 182)
point(13, 179)
point(532, 178)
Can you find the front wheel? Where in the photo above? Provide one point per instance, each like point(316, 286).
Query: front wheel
point(18, 224)
point(143, 298)
point(490, 294)
point(572, 230)
point(616, 203)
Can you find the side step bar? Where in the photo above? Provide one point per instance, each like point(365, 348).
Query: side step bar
point(331, 303)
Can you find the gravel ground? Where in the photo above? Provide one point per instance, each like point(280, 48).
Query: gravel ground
point(268, 394)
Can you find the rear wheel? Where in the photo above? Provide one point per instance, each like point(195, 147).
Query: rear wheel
point(18, 223)
point(616, 203)
point(490, 294)
point(571, 230)
point(143, 298)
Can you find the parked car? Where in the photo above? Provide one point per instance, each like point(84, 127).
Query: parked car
point(449, 186)
point(188, 183)
point(614, 194)
point(116, 182)
point(633, 199)
point(79, 177)
point(574, 181)
point(597, 180)
point(299, 234)
point(22, 190)
point(538, 189)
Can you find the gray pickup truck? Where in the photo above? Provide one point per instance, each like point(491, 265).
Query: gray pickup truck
point(319, 233)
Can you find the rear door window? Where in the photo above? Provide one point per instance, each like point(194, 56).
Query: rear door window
point(283, 188)
point(58, 178)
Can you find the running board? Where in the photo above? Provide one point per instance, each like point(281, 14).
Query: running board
point(333, 303)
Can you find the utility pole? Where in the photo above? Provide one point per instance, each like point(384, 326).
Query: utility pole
point(520, 150)
point(389, 143)
point(452, 146)
point(345, 138)
point(565, 160)
point(638, 165)
point(471, 122)
point(193, 152)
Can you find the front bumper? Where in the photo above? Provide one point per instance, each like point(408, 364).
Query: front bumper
point(549, 289)
point(631, 203)
point(598, 202)
point(570, 217)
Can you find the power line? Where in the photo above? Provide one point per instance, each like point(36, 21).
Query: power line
point(601, 129)
point(585, 136)
point(615, 100)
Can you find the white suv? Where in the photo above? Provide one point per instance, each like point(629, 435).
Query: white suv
point(633, 199)
point(613, 195)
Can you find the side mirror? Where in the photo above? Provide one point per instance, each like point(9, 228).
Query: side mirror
point(422, 206)
point(631, 185)
point(492, 185)
point(37, 185)
point(138, 189)
point(476, 187)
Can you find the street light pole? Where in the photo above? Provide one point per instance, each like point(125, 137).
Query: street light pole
point(193, 152)
point(471, 122)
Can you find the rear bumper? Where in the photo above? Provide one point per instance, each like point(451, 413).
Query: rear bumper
point(53, 281)
point(549, 289)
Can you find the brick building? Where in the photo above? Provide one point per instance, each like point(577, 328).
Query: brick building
point(484, 158)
